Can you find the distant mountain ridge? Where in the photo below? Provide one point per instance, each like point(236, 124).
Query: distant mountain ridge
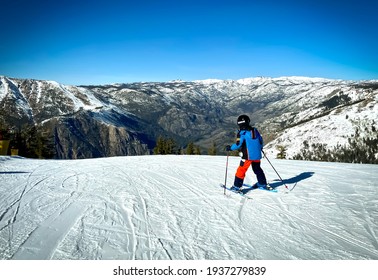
point(126, 119)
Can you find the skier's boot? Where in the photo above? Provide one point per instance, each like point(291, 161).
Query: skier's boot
point(235, 189)
point(267, 186)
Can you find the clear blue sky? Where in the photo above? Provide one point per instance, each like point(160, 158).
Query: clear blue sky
point(99, 42)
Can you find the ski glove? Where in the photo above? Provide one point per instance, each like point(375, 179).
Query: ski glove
point(228, 148)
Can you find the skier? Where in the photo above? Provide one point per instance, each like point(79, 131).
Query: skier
point(250, 143)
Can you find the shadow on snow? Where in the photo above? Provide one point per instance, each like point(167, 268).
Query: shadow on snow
point(13, 172)
point(294, 180)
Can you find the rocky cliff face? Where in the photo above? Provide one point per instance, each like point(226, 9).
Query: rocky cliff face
point(83, 136)
point(126, 119)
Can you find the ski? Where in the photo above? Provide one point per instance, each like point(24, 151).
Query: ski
point(254, 187)
point(241, 193)
point(248, 188)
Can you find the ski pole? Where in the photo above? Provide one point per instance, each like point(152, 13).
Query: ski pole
point(274, 169)
point(225, 176)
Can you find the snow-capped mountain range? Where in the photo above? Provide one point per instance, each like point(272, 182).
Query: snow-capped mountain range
point(126, 119)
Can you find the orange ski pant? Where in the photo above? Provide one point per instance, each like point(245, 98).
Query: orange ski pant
point(242, 169)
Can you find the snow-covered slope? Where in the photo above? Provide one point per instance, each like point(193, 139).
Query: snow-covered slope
point(170, 207)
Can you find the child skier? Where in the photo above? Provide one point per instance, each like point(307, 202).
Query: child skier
point(250, 143)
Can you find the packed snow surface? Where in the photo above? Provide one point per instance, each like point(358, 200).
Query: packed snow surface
point(171, 207)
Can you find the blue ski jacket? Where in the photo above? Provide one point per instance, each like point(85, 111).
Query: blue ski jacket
point(250, 143)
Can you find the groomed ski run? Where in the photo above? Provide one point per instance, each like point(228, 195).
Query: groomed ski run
point(170, 207)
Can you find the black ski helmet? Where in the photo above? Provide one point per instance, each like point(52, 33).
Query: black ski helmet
point(243, 121)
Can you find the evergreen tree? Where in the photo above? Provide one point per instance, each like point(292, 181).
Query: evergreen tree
point(170, 146)
point(197, 150)
point(34, 142)
point(281, 152)
point(190, 149)
point(165, 146)
point(213, 150)
point(160, 146)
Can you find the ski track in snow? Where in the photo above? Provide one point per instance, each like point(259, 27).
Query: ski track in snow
point(171, 207)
